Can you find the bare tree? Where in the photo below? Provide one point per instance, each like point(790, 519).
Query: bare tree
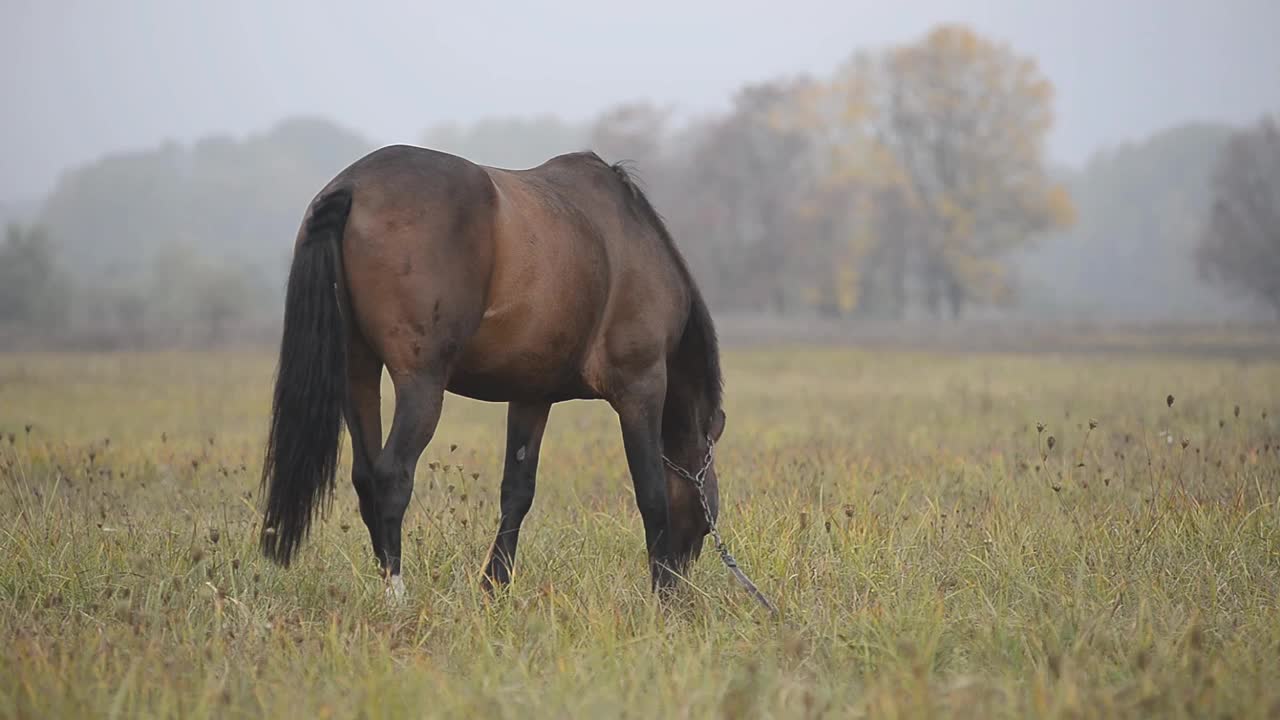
point(747, 178)
point(1240, 244)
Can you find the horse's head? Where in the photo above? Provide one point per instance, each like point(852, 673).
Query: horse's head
point(687, 516)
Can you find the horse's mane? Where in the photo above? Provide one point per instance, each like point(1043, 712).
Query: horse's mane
point(699, 349)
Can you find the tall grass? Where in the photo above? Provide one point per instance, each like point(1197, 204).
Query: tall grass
point(933, 552)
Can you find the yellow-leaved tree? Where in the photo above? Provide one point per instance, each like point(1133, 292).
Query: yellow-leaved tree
point(965, 120)
point(851, 172)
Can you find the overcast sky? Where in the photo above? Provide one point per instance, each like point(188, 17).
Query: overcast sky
point(83, 77)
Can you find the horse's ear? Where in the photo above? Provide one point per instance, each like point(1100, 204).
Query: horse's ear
point(717, 425)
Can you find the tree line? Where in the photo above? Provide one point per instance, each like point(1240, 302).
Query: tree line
point(902, 179)
point(911, 180)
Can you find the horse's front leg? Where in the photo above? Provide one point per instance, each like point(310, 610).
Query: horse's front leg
point(640, 415)
point(525, 424)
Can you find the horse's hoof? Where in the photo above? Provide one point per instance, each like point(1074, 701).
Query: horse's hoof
point(395, 589)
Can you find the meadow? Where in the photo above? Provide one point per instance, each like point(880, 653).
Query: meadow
point(946, 534)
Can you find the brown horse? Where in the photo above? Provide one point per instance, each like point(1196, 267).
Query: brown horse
point(528, 287)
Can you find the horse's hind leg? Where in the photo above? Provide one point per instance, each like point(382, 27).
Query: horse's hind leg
point(419, 398)
point(525, 423)
point(364, 421)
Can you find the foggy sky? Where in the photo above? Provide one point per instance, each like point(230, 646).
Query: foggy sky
point(81, 78)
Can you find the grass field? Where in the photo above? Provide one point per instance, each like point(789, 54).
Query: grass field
point(933, 553)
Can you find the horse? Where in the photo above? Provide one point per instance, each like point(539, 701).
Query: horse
point(530, 287)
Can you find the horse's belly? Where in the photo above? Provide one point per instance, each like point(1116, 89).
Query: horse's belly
point(506, 387)
point(548, 288)
point(526, 355)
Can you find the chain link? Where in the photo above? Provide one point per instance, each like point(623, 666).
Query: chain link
point(699, 480)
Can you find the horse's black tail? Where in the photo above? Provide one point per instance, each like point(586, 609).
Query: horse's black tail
point(311, 383)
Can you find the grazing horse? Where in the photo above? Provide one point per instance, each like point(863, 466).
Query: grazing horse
point(528, 287)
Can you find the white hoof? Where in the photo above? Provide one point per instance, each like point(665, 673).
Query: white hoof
point(395, 589)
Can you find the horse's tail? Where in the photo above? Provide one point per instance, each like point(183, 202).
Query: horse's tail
point(311, 383)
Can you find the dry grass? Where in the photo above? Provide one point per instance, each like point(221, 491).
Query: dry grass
point(932, 552)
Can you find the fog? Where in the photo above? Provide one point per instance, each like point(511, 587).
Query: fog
point(82, 78)
point(84, 81)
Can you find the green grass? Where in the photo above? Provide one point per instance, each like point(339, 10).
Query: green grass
point(931, 554)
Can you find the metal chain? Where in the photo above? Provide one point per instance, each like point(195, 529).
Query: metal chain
point(698, 480)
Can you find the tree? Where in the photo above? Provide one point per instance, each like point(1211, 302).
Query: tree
point(199, 298)
point(224, 195)
point(966, 119)
point(852, 213)
point(1131, 254)
point(33, 291)
point(747, 179)
point(1240, 243)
